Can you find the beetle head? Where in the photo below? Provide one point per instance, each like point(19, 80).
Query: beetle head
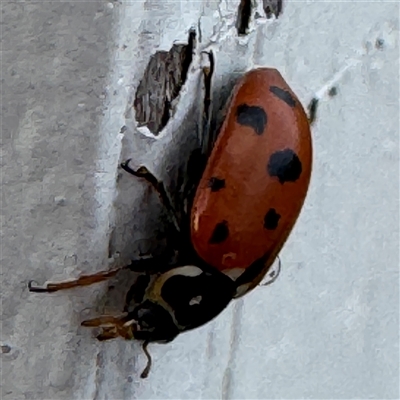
point(178, 300)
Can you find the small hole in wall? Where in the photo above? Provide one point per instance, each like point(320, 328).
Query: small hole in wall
point(5, 348)
point(243, 19)
point(333, 91)
point(272, 7)
point(161, 83)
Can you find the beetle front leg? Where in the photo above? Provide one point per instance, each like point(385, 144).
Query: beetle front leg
point(83, 280)
point(143, 172)
point(312, 110)
point(112, 326)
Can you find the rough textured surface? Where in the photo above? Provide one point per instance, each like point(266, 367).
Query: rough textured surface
point(69, 73)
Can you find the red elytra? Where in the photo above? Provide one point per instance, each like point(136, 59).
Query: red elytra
point(256, 178)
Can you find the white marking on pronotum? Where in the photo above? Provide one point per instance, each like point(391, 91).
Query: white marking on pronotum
point(195, 300)
point(233, 273)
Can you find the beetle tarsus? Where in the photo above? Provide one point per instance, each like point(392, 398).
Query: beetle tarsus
point(141, 172)
point(38, 289)
point(125, 166)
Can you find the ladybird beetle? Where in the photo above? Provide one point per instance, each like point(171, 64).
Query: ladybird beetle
point(241, 211)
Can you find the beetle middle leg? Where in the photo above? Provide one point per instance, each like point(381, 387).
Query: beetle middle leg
point(83, 280)
point(147, 265)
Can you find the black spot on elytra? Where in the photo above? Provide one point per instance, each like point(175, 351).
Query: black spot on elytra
point(220, 234)
point(285, 165)
point(271, 219)
point(284, 95)
point(195, 300)
point(216, 184)
point(252, 116)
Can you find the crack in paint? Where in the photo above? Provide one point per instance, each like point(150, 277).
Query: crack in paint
point(324, 91)
point(97, 377)
point(227, 380)
point(329, 89)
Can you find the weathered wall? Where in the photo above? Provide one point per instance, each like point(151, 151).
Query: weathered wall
point(326, 329)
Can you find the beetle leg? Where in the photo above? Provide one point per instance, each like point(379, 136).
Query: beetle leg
point(83, 280)
point(272, 274)
point(198, 158)
point(112, 326)
point(152, 264)
point(107, 334)
point(312, 110)
point(143, 172)
point(104, 321)
point(112, 333)
point(147, 265)
point(208, 71)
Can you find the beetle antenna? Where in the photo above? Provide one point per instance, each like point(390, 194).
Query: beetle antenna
point(146, 371)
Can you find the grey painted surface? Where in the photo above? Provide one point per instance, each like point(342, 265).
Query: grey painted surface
point(326, 329)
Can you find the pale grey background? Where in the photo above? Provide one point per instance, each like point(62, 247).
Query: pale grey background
point(328, 328)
